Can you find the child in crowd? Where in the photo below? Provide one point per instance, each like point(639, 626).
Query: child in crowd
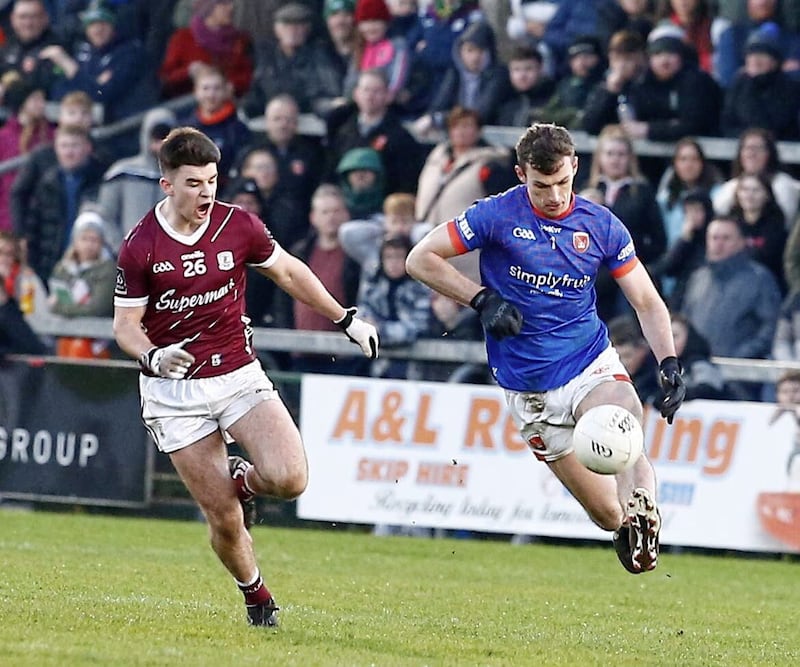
point(82, 283)
point(531, 89)
point(376, 50)
point(475, 80)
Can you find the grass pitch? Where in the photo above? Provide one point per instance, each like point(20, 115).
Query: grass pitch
point(78, 589)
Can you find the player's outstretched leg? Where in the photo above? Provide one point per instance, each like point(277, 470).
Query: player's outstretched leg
point(238, 468)
point(636, 541)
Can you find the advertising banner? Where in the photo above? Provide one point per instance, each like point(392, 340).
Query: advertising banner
point(449, 456)
point(71, 432)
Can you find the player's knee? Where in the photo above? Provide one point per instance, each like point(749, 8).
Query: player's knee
point(292, 485)
point(224, 521)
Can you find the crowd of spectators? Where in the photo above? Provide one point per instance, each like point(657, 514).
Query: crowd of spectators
point(403, 89)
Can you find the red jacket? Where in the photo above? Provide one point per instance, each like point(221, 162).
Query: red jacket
point(182, 50)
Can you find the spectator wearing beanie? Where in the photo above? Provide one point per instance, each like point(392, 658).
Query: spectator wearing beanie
point(376, 50)
point(25, 129)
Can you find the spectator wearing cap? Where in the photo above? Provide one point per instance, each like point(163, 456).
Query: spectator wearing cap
point(25, 128)
point(210, 38)
point(585, 59)
point(29, 32)
point(106, 66)
point(674, 98)
point(627, 63)
point(216, 115)
point(531, 89)
point(293, 63)
point(762, 95)
point(130, 186)
point(376, 50)
point(340, 24)
point(730, 49)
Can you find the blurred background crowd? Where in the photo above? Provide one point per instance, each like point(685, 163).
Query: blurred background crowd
point(351, 127)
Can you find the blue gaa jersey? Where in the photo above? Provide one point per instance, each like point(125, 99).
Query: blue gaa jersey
point(547, 268)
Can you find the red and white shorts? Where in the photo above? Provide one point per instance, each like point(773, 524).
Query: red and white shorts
point(545, 419)
point(180, 412)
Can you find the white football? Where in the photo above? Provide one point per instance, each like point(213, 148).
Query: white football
point(608, 439)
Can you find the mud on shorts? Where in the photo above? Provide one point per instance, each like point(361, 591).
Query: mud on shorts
point(545, 419)
point(178, 413)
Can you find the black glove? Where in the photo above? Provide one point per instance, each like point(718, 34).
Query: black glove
point(499, 317)
point(672, 384)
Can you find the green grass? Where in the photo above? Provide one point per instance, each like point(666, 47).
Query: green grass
point(79, 589)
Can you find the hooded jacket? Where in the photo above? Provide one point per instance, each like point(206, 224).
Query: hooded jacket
point(130, 186)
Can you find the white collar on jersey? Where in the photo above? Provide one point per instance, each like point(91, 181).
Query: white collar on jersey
point(190, 240)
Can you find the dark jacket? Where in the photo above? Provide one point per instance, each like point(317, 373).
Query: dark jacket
point(686, 105)
point(703, 379)
point(310, 76)
point(131, 87)
point(16, 335)
point(400, 153)
point(492, 83)
point(15, 52)
point(521, 108)
point(46, 228)
point(769, 100)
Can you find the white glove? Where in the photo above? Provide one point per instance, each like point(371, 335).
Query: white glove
point(360, 332)
point(167, 362)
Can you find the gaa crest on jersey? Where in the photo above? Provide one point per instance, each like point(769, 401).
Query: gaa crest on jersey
point(121, 286)
point(225, 260)
point(580, 241)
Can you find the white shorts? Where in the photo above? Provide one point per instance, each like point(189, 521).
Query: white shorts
point(545, 419)
point(178, 413)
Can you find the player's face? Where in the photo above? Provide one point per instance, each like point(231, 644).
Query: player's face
point(550, 194)
point(191, 190)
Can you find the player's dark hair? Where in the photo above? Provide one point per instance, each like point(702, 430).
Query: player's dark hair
point(544, 147)
point(186, 146)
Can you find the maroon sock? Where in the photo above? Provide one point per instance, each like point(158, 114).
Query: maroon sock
point(255, 592)
point(243, 491)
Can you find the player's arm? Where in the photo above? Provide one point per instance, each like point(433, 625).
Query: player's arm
point(650, 309)
point(296, 279)
point(427, 262)
point(170, 362)
point(657, 329)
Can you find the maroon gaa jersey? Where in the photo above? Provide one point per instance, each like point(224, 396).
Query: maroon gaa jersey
point(193, 286)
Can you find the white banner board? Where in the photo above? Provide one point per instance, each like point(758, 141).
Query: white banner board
point(448, 456)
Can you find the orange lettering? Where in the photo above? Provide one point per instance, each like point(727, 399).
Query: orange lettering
point(483, 414)
point(442, 474)
point(352, 418)
point(381, 470)
point(721, 445)
point(422, 434)
point(511, 438)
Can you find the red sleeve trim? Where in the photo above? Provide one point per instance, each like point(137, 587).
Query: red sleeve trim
point(625, 269)
point(455, 238)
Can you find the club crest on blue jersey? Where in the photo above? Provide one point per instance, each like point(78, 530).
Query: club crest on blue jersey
point(580, 241)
